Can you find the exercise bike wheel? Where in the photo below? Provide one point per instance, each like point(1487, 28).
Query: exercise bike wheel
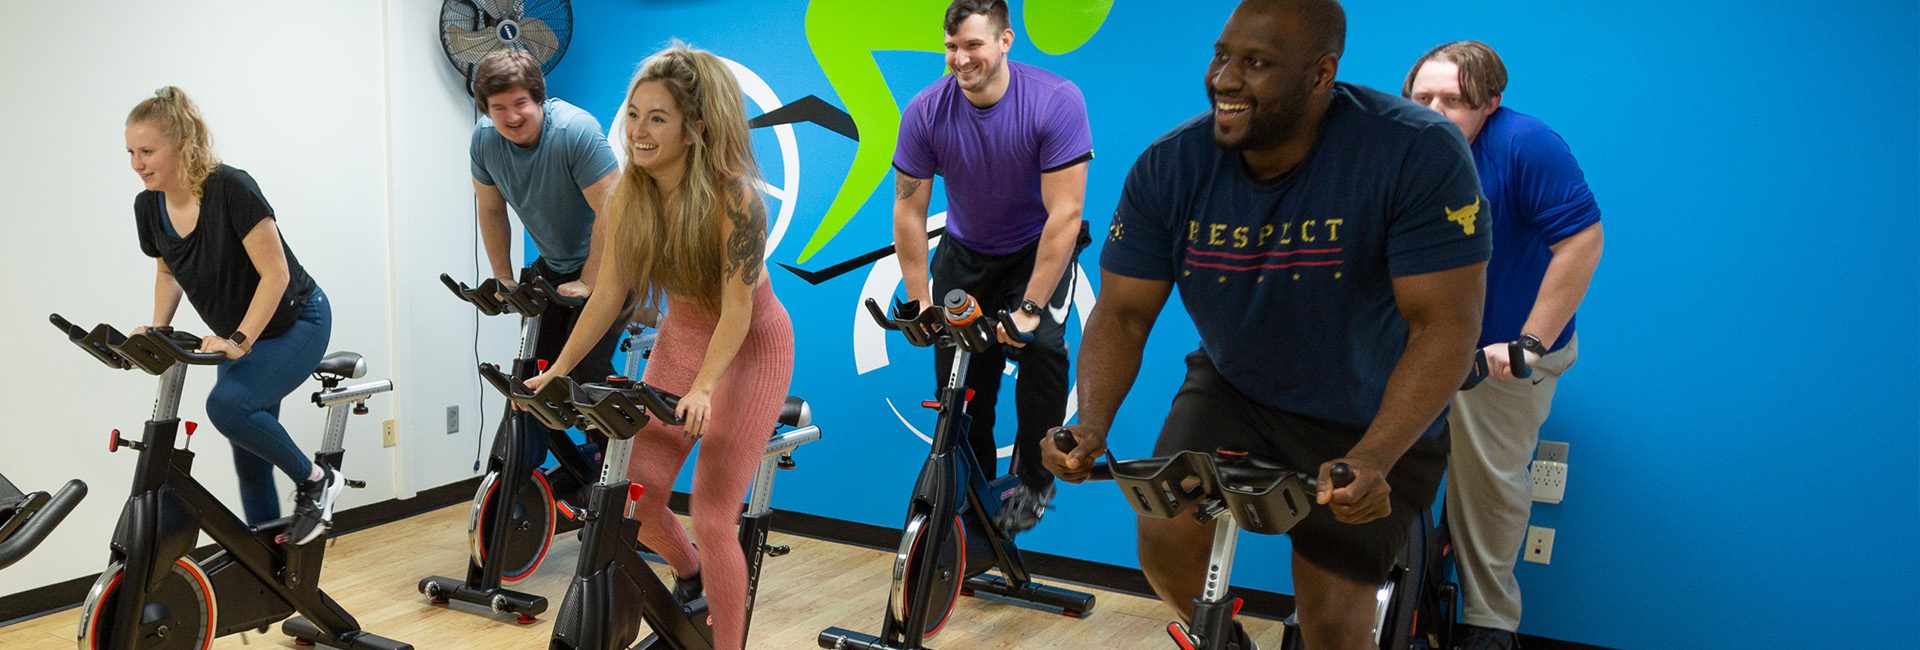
point(530, 529)
point(950, 573)
point(180, 613)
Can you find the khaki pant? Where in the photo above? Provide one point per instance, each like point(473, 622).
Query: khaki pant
point(1495, 428)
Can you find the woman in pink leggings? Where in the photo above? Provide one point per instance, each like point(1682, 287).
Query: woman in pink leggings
point(689, 227)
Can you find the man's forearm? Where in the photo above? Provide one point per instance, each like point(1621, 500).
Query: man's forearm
point(596, 245)
point(910, 248)
point(1422, 383)
point(1057, 241)
point(1109, 362)
point(1565, 284)
point(495, 234)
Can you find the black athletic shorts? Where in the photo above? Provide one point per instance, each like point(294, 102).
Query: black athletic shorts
point(1209, 413)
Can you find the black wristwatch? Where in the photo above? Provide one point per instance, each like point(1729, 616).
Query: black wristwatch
point(1030, 308)
point(1532, 344)
point(238, 337)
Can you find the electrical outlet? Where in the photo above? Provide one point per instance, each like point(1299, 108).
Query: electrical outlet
point(453, 419)
point(1551, 451)
point(389, 432)
point(1539, 545)
point(1549, 481)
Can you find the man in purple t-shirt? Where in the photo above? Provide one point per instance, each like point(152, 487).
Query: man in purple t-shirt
point(1013, 143)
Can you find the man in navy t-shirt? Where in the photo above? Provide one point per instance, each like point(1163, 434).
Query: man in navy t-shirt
point(1329, 242)
point(1546, 243)
point(1012, 142)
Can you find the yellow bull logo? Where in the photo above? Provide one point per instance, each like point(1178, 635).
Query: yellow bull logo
point(1465, 216)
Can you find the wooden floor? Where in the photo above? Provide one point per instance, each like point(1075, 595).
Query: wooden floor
point(373, 573)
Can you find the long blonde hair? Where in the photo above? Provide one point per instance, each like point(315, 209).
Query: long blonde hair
point(174, 114)
point(674, 247)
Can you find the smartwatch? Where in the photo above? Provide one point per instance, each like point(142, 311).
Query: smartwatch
point(1030, 308)
point(1532, 344)
point(238, 338)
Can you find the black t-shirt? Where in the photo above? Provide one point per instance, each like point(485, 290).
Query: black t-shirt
point(1290, 281)
point(211, 262)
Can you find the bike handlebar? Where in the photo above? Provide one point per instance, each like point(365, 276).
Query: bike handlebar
point(1516, 362)
point(528, 298)
point(40, 522)
point(153, 351)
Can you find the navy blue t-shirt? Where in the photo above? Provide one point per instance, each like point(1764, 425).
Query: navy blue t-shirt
point(1289, 281)
point(1537, 196)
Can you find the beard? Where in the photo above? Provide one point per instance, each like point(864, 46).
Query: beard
point(985, 77)
point(1269, 122)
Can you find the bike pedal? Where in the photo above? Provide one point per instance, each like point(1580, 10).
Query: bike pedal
point(776, 551)
point(356, 484)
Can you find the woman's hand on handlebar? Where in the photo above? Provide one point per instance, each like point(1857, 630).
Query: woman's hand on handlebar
point(694, 410)
point(534, 384)
point(1500, 364)
point(1363, 500)
point(1076, 466)
point(222, 346)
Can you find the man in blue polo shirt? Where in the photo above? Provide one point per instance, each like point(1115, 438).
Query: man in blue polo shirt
point(1012, 142)
point(1329, 242)
point(1546, 244)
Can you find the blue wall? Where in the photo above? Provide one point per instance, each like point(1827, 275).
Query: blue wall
point(1743, 420)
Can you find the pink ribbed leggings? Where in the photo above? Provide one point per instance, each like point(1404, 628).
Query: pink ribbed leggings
point(746, 407)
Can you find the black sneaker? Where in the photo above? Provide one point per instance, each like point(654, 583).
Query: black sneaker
point(313, 506)
point(688, 589)
point(1023, 508)
point(1474, 637)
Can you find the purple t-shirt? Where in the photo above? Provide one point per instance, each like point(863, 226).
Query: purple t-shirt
point(992, 157)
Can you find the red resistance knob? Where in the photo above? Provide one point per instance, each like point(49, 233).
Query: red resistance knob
point(634, 490)
point(191, 427)
point(113, 441)
point(540, 365)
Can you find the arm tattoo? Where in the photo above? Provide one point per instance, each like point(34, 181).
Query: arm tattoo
point(747, 246)
point(904, 186)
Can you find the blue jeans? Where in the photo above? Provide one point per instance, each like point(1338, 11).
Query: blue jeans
point(245, 406)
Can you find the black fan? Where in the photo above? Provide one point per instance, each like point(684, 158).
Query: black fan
point(470, 29)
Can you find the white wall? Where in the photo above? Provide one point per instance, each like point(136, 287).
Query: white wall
point(355, 127)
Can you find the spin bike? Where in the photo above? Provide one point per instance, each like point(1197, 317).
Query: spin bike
point(516, 496)
point(1438, 608)
point(1416, 605)
point(153, 594)
point(27, 518)
point(614, 589)
point(950, 539)
point(1229, 488)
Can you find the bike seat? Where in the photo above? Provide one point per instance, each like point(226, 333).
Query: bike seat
point(342, 365)
point(795, 412)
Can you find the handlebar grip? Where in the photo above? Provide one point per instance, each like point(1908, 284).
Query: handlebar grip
point(1342, 475)
point(41, 523)
point(880, 317)
point(1478, 372)
point(453, 285)
point(1006, 323)
point(1517, 360)
point(1063, 440)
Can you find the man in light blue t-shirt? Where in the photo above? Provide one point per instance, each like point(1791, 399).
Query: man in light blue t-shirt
point(550, 161)
point(1546, 244)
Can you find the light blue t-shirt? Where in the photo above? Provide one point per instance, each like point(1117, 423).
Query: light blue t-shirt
point(543, 182)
